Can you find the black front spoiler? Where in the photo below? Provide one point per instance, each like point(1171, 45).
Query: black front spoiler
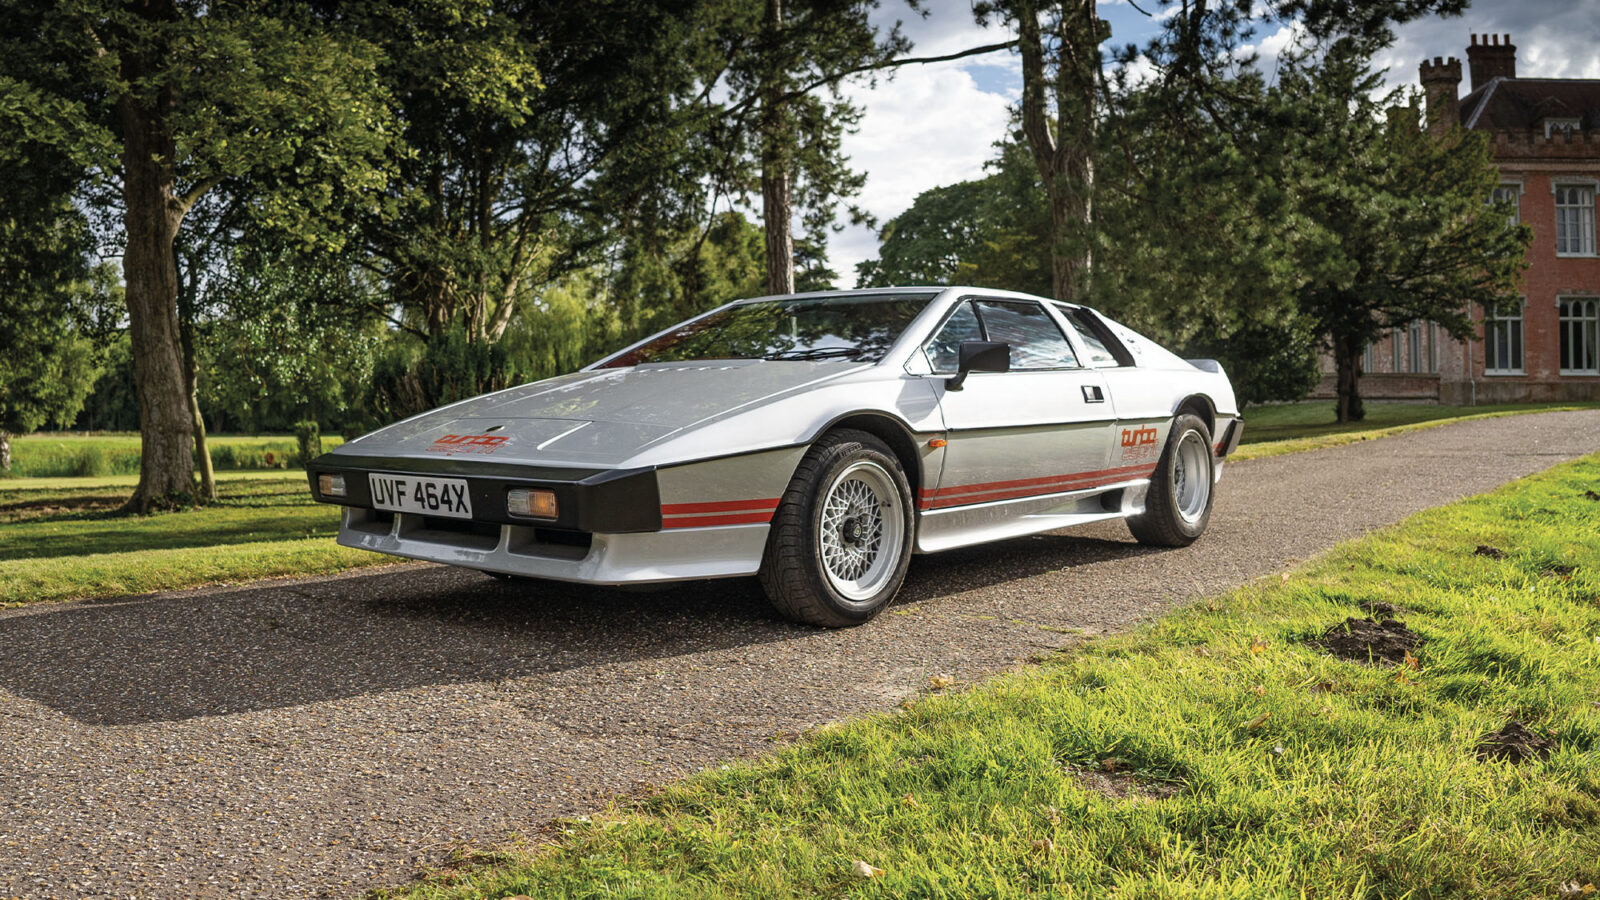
point(606, 501)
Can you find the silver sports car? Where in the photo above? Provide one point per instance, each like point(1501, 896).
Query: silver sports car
point(814, 440)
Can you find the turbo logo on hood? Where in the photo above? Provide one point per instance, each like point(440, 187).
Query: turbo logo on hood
point(468, 443)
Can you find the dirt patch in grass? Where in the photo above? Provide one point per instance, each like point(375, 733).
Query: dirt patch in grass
point(1559, 571)
point(1491, 552)
point(1514, 743)
point(1370, 641)
point(1380, 610)
point(1111, 780)
point(1591, 495)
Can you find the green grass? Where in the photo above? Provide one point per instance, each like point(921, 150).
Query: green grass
point(69, 454)
point(59, 538)
point(1290, 773)
point(1310, 425)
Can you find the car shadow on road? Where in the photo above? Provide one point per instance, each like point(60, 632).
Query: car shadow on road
point(218, 652)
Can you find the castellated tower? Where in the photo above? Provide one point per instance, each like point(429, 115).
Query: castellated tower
point(1441, 81)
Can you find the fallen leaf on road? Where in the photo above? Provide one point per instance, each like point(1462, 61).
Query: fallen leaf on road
point(940, 682)
point(865, 869)
point(1258, 721)
point(1571, 890)
point(1411, 662)
point(1257, 646)
point(1044, 845)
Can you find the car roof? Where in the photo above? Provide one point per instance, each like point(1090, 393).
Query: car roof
point(939, 289)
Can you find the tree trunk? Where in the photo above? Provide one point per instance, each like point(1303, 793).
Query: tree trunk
point(1064, 154)
point(152, 212)
point(777, 201)
point(5, 451)
point(1347, 366)
point(187, 313)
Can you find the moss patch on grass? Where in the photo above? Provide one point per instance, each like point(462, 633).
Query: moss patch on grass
point(1284, 771)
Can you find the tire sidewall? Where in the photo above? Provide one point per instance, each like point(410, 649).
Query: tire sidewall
point(1161, 486)
point(836, 459)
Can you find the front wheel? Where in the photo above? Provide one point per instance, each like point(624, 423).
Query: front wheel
point(840, 541)
point(1178, 505)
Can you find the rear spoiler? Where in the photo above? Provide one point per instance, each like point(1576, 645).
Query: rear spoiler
point(1206, 365)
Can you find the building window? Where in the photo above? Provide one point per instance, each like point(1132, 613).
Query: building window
point(1574, 220)
point(1555, 126)
point(1502, 340)
point(1395, 337)
point(1580, 335)
point(1369, 359)
point(1512, 194)
point(1416, 362)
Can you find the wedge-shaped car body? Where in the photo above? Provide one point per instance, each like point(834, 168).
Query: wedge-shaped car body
point(815, 440)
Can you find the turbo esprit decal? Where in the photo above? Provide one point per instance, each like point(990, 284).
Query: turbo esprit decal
point(1139, 443)
point(468, 443)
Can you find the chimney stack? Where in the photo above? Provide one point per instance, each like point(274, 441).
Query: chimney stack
point(1491, 58)
point(1441, 82)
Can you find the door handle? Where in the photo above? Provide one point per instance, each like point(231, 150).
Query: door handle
point(1093, 394)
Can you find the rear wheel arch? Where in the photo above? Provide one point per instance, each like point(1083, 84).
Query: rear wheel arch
point(1200, 406)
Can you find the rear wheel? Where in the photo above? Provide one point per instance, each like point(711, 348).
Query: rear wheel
point(840, 541)
point(1178, 504)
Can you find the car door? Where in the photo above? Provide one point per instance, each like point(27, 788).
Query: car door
point(1017, 440)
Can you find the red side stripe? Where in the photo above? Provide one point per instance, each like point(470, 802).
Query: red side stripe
point(989, 492)
point(986, 487)
point(707, 521)
point(678, 509)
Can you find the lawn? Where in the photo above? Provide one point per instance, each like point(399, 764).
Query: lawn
point(1309, 425)
point(66, 453)
point(1219, 752)
point(61, 540)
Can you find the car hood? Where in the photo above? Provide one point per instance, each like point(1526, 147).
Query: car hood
point(596, 417)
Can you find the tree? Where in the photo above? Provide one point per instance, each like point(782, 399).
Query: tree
point(1060, 47)
point(1398, 227)
point(985, 232)
point(158, 103)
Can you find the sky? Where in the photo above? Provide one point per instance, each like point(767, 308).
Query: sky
point(936, 124)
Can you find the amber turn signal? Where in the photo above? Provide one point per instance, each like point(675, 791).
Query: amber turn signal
point(531, 504)
point(936, 443)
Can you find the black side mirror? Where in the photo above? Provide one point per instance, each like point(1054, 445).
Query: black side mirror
point(979, 356)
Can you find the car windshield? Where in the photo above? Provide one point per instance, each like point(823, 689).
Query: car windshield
point(848, 327)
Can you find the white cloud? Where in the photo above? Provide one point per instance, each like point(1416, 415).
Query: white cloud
point(931, 125)
point(1554, 39)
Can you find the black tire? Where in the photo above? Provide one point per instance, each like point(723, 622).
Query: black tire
point(794, 574)
point(1163, 522)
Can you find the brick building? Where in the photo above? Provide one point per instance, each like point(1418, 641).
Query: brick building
point(1545, 136)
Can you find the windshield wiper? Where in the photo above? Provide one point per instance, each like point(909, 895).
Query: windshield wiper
point(815, 353)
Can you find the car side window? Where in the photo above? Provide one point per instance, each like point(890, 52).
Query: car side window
point(944, 351)
point(1036, 341)
point(1099, 354)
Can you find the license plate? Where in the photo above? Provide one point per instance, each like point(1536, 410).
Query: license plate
point(416, 494)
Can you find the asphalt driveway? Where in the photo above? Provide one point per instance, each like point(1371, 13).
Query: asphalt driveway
point(317, 737)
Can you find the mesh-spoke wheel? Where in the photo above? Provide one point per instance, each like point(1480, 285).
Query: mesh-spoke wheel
point(840, 541)
point(1191, 476)
point(1178, 503)
point(859, 543)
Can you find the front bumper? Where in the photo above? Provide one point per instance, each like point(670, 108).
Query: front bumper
point(614, 501)
point(608, 528)
point(608, 559)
